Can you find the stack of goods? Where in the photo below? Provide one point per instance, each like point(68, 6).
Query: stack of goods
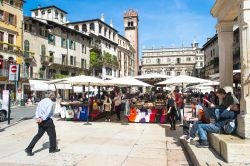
point(146, 115)
point(159, 104)
point(71, 110)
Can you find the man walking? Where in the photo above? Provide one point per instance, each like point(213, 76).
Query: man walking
point(44, 113)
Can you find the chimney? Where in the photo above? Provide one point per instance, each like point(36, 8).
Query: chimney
point(102, 17)
point(111, 24)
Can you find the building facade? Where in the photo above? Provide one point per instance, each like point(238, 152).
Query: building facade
point(126, 58)
point(104, 45)
point(131, 22)
point(211, 57)
point(66, 48)
point(11, 17)
point(173, 61)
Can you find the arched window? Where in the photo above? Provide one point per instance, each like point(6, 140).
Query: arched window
point(43, 50)
point(26, 45)
point(10, 60)
point(158, 61)
point(100, 29)
point(76, 27)
point(26, 48)
point(92, 26)
point(132, 23)
point(84, 27)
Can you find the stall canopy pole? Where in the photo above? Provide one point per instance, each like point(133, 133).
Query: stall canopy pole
point(87, 123)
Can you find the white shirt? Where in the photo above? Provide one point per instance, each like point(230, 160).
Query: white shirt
point(44, 109)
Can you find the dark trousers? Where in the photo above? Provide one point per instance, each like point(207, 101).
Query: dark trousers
point(108, 115)
point(118, 112)
point(172, 120)
point(46, 126)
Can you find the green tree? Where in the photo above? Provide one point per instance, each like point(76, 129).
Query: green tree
point(95, 61)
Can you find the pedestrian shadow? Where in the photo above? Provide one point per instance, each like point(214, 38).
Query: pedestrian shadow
point(44, 146)
point(1, 130)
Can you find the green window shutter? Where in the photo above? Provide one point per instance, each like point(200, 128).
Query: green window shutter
point(74, 45)
point(61, 42)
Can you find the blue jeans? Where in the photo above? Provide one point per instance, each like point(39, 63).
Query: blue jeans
point(194, 129)
point(213, 113)
point(225, 114)
point(203, 129)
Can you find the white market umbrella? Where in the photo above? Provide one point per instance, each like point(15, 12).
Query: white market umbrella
point(210, 83)
point(40, 85)
point(127, 81)
point(153, 75)
point(86, 80)
point(167, 88)
point(183, 79)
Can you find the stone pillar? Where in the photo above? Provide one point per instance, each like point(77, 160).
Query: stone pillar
point(225, 40)
point(243, 129)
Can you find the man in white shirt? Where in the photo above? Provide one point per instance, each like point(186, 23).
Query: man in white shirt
point(44, 112)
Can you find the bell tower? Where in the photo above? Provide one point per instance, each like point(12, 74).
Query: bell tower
point(131, 21)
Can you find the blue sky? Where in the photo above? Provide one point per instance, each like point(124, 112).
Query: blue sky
point(163, 23)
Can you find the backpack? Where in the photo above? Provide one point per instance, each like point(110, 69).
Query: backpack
point(230, 126)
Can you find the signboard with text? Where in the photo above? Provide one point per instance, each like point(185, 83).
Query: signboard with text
point(14, 72)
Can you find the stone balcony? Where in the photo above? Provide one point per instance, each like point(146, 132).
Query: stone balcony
point(10, 48)
point(28, 56)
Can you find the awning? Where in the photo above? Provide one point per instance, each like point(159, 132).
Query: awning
point(40, 85)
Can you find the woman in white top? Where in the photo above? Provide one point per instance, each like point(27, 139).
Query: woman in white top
point(107, 107)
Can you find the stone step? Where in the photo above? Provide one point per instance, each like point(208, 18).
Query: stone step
point(204, 156)
point(232, 148)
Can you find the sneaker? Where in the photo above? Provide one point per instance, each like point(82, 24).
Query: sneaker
point(106, 120)
point(29, 153)
point(54, 151)
point(203, 144)
point(194, 142)
point(190, 139)
point(183, 137)
point(109, 120)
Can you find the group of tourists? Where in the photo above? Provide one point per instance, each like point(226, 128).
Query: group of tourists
point(212, 117)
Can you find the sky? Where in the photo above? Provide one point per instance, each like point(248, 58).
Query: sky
point(162, 23)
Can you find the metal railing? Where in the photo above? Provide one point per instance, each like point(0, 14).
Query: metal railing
point(4, 72)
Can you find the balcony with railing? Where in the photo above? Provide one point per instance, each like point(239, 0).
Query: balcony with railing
point(28, 56)
point(9, 48)
point(94, 44)
point(63, 63)
point(4, 72)
point(45, 59)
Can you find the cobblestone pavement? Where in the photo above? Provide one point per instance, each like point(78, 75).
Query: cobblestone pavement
point(102, 143)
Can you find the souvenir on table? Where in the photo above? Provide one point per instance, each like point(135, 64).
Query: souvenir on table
point(152, 118)
point(76, 113)
point(132, 114)
point(83, 113)
point(69, 114)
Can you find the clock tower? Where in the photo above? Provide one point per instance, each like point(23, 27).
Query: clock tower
point(131, 21)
